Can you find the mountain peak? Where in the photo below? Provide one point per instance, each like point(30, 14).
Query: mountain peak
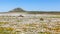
point(17, 10)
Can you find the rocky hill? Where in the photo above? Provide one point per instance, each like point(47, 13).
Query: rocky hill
point(19, 10)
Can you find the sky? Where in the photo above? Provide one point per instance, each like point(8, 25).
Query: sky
point(30, 5)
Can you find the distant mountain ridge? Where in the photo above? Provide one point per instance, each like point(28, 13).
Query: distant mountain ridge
point(17, 10)
point(34, 12)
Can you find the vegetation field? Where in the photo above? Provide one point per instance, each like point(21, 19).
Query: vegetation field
point(49, 24)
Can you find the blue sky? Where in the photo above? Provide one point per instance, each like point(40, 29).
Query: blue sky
point(40, 5)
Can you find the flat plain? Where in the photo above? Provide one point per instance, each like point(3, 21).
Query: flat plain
point(21, 23)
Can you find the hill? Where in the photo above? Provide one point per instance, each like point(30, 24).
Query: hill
point(19, 10)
